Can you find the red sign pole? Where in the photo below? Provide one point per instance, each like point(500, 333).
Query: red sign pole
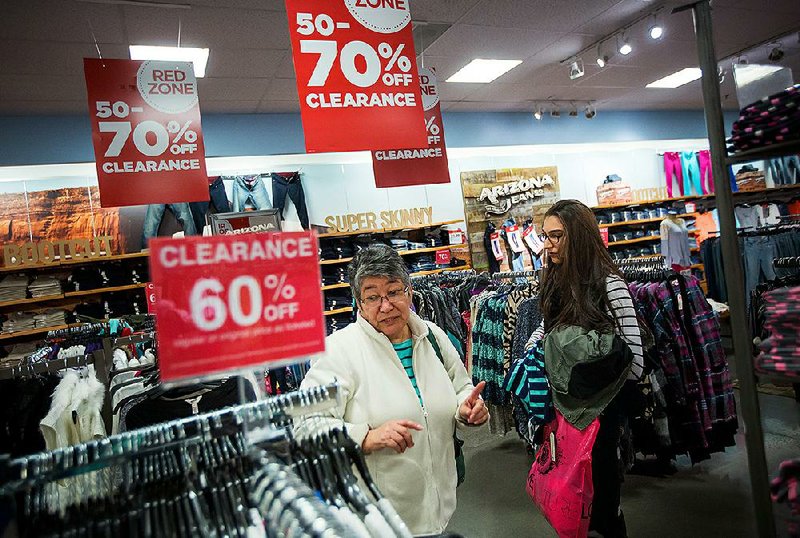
point(148, 141)
point(420, 166)
point(230, 302)
point(355, 66)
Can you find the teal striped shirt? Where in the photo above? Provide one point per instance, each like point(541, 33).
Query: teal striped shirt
point(405, 352)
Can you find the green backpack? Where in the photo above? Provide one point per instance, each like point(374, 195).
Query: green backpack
point(461, 468)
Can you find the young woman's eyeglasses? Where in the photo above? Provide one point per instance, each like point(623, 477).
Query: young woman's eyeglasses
point(393, 296)
point(554, 237)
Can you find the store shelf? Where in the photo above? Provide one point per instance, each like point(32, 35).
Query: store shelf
point(632, 241)
point(767, 152)
point(343, 310)
point(776, 377)
point(32, 332)
point(334, 262)
point(61, 263)
point(99, 291)
point(388, 230)
point(429, 249)
point(736, 196)
point(335, 286)
point(437, 271)
point(32, 300)
point(644, 221)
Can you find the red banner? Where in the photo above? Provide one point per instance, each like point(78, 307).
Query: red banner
point(355, 66)
point(423, 165)
point(604, 235)
point(443, 257)
point(230, 302)
point(148, 142)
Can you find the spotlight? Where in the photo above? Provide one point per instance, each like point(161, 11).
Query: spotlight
point(721, 73)
point(656, 31)
point(574, 112)
point(538, 113)
point(625, 48)
point(603, 57)
point(555, 112)
point(576, 69)
point(776, 54)
point(590, 112)
point(602, 61)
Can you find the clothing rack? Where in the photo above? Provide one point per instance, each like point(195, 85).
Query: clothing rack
point(45, 467)
point(515, 274)
point(27, 369)
point(787, 263)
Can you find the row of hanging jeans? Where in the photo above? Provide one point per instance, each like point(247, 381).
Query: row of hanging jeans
point(758, 249)
point(250, 190)
point(690, 170)
point(785, 170)
point(688, 394)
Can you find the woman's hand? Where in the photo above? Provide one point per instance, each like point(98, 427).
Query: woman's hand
point(473, 410)
point(394, 434)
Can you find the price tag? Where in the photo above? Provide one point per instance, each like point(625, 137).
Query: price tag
point(152, 298)
point(691, 207)
point(419, 166)
point(531, 238)
point(604, 235)
point(443, 257)
point(515, 238)
point(497, 247)
point(356, 74)
point(148, 142)
point(235, 301)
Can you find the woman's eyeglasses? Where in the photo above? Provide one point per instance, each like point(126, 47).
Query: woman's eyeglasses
point(393, 296)
point(554, 237)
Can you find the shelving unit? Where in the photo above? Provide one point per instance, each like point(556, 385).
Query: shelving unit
point(633, 241)
point(401, 252)
point(740, 196)
point(387, 230)
point(70, 262)
point(643, 221)
point(32, 300)
point(34, 332)
point(335, 286)
point(343, 310)
point(99, 291)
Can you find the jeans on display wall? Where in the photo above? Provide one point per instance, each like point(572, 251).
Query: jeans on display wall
point(785, 170)
point(291, 185)
point(155, 212)
point(673, 168)
point(218, 199)
point(249, 189)
point(691, 174)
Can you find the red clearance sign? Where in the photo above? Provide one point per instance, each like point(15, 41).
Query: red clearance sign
point(148, 142)
point(229, 302)
point(423, 165)
point(355, 66)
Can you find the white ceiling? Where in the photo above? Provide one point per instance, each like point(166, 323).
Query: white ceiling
point(42, 43)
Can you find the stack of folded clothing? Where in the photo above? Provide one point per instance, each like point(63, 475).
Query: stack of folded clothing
point(334, 300)
point(48, 318)
point(86, 278)
point(399, 244)
point(44, 286)
point(414, 245)
point(780, 352)
point(13, 288)
point(124, 303)
point(139, 274)
point(435, 239)
point(88, 310)
point(334, 274)
point(18, 321)
point(771, 120)
point(337, 322)
point(422, 262)
point(116, 274)
point(335, 250)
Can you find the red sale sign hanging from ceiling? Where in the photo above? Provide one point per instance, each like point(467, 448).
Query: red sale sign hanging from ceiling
point(425, 164)
point(148, 143)
point(355, 66)
point(241, 301)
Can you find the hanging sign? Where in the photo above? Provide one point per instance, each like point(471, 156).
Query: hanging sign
point(514, 236)
point(355, 66)
point(148, 142)
point(419, 166)
point(230, 302)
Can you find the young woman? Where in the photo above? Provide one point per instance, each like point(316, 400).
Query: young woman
point(582, 287)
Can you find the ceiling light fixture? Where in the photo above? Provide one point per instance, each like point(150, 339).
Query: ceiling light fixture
point(481, 71)
point(198, 57)
point(574, 112)
point(677, 79)
point(776, 53)
point(538, 113)
point(747, 74)
point(555, 112)
point(625, 47)
point(603, 56)
point(656, 31)
point(576, 68)
point(590, 111)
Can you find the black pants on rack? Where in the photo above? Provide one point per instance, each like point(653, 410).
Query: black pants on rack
point(607, 517)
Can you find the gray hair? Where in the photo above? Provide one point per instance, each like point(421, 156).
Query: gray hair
point(376, 260)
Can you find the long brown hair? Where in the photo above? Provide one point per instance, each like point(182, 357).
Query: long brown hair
point(574, 291)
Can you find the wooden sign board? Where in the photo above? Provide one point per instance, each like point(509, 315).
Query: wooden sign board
point(43, 252)
point(375, 222)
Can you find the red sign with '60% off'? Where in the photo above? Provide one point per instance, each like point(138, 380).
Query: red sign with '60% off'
point(231, 302)
point(355, 66)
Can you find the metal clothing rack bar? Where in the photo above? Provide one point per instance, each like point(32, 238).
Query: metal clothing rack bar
point(515, 274)
point(21, 370)
point(74, 460)
point(731, 258)
point(787, 263)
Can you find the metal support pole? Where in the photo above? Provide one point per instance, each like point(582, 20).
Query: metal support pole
point(731, 258)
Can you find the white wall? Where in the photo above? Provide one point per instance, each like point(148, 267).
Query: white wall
point(340, 183)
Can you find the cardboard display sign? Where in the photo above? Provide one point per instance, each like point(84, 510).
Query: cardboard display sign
point(148, 142)
point(420, 166)
point(356, 68)
point(230, 302)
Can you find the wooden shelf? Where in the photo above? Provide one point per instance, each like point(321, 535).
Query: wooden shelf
point(343, 310)
point(31, 332)
point(736, 195)
point(632, 241)
point(335, 286)
point(644, 221)
point(428, 249)
point(332, 262)
point(388, 230)
point(99, 291)
point(61, 263)
point(767, 152)
point(31, 300)
point(437, 271)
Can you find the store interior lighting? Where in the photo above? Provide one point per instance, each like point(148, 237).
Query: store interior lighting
point(481, 71)
point(625, 47)
point(198, 56)
point(590, 111)
point(776, 52)
point(538, 113)
point(749, 73)
point(656, 31)
point(576, 69)
point(555, 112)
point(677, 79)
point(573, 113)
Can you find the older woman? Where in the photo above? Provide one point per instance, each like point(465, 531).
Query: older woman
point(400, 403)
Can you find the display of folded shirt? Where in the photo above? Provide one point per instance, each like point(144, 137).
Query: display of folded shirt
point(337, 322)
point(334, 275)
point(771, 120)
point(86, 278)
point(48, 318)
point(338, 300)
point(44, 286)
point(18, 321)
point(13, 288)
point(780, 352)
point(336, 249)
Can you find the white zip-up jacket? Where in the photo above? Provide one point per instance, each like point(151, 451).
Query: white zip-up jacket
point(420, 483)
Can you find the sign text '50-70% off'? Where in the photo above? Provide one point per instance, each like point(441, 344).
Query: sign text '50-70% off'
point(212, 306)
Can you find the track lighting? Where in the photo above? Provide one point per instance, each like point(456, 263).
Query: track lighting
point(576, 68)
point(538, 113)
point(555, 112)
point(590, 112)
point(625, 46)
point(776, 53)
point(573, 113)
point(603, 56)
point(656, 31)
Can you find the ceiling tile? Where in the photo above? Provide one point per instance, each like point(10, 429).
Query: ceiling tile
point(42, 88)
point(248, 63)
point(440, 10)
point(282, 89)
point(232, 107)
point(537, 14)
point(286, 66)
point(471, 41)
point(231, 89)
point(49, 57)
point(56, 20)
point(32, 108)
point(275, 106)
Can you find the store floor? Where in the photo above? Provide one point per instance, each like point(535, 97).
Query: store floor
point(709, 499)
